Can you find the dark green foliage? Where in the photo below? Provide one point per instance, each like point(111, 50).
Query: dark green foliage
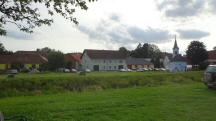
point(148, 51)
point(197, 53)
point(3, 51)
point(26, 17)
point(125, 51)
point(55, 60)
point(25, 84)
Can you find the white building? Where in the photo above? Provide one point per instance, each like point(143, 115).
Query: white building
point(103, 60)
point(175, 62)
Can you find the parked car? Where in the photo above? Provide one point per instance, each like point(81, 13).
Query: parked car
point(122, 70)
point(140, 70)
point(210, 76)
point(12, 71)
point(88, 70)
point(73, 70)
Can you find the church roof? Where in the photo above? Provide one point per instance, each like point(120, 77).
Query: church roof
point(179, 58)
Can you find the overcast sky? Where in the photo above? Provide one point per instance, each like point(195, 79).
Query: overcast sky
point(110, 24)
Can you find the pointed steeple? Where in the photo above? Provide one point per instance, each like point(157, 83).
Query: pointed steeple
point(175, 44)
point(175, 48)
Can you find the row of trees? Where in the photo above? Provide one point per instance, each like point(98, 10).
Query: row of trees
point(145, 51)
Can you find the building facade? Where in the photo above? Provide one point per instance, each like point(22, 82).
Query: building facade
point(103, 60)
point(138, 63)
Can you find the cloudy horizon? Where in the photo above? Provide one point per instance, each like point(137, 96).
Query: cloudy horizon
point(110, 24)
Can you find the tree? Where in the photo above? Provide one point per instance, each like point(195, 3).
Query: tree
point(3, 50)
point(124, 50)
point(214, 48)
point(46, 50)
point(148, 51)
point(26, 16)
point(55, 60)
point(197, 53)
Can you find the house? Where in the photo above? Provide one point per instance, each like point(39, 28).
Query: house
point(74, 59)
point(103, 60)
point(138, 63)
point(27, 59)
point(212, 57)
point(175, 62)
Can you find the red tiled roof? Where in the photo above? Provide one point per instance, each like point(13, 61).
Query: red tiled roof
point(23, 58)
point(104, 54)
point(73, 57)
point(212, 54)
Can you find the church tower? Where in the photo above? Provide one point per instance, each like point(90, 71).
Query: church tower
point(175, 48)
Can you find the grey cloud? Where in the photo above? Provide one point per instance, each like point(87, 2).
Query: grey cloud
point(115, 17)
point(19, 35)
point(181, 8)
point(149, 35)
point(192, 34)
point(114, 32)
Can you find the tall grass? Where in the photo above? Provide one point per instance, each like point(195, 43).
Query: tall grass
point(37, 84)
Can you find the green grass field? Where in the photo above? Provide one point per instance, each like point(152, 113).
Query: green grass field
point(158, 96)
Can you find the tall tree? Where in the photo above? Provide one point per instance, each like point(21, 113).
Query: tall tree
point(26, 14)
point(3, 50)
point(55, 60)
point(124, 50)
point(45, 50)
point(214, 48)
point(197, 53)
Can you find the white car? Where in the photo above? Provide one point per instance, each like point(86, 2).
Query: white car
point(88, 70)
point(123, 70)
point(12, 71)
point(73, 70)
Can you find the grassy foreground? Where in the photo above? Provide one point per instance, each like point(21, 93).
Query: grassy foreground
point(52, 83)
point(176, 102)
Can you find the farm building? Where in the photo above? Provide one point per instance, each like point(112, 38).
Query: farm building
point(27, 59)
point(103, 60)
point(74, 59)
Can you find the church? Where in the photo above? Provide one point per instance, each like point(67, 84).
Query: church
point(175, 62)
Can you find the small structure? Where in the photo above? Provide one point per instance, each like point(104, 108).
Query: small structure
point(138, 63)
point(175, 62)
point(74, 59)
point(212, 57)
point(103, 60)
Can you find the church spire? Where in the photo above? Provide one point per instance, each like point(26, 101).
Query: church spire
point(175, 48)
point(175, 44)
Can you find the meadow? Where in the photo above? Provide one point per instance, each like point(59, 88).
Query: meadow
point(111, 96)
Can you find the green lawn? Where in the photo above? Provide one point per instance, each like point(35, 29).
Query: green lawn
point(178, 97)
point(193, 102)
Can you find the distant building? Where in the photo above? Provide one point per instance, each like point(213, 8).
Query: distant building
point(28, 59)
point(175, 62)
point(138, 63)
point(212, 57)
point(74, 59)
point(103, 60)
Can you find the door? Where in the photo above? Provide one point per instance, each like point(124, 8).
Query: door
point(96, 67)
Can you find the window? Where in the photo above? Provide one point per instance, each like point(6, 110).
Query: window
point(110, 61)
point(120, 61)
point(104, 61)
point(110, 67)
point(115, 67)
point(104, 67)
